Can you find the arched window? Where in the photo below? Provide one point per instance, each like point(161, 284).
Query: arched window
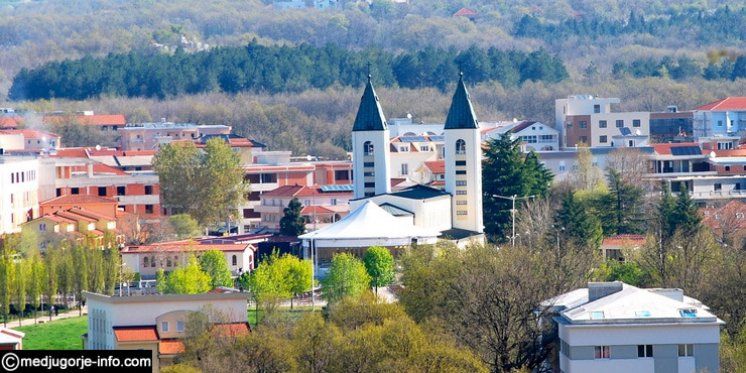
point(460, 146)
point(235, 260)
point(368, 148)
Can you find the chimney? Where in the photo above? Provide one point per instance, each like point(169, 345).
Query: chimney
point(597, 290)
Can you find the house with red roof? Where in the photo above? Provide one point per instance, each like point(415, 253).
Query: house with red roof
point(159, 323)
point(63, 218)
point(104, 122)
point(322, 205)
point(30, 140)
point(722, 118)
point(146, 260)
point(469, 13)
point(613, 247)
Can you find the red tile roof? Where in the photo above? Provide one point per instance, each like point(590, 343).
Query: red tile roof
point(288, 191)
point(10, 121)
point(624, 239)
point(135, 333)
point(69, 214)
point(666, 147)
point(88, 120)
point(233, 329)
point(77, 199)
point(171, 347)
point(728, 103)
point(732, 213)
point(310, 210)
point(184, 246)
point(436, 167)
point(31, 133)
point(465, 12)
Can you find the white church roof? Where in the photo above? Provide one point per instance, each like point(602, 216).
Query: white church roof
point(370, 221)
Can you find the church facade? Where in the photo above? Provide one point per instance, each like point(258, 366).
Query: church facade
point(419, 214)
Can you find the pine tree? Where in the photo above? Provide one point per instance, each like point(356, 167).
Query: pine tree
point(574, 223)
point(685, 215)
point(626, 204)
point(292, 223)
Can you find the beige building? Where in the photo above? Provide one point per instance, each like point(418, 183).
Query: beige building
point(159, 322)
point(148, 259)
point(148, 136)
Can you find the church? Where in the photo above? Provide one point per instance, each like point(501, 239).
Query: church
point(418, 214)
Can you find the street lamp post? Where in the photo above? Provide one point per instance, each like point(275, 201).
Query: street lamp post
point(513, 198)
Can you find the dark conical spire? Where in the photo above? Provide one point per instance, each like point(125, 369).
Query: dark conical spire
point(461, 114)
point(369, 115)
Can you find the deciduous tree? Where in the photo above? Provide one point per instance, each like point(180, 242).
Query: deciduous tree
point(380, 266)
point(347, 278)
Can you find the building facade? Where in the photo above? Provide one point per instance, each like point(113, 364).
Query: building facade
point(615, 327)
point(19, 192)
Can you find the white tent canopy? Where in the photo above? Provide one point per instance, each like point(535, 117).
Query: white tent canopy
point(370, 225)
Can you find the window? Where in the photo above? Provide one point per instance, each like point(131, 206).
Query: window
point(148, 189)
point(460, 172)
point(341, 175)
point(463, 163)
point(686, 350)
point(369, 185)
point(164, 326)
point(597, 315)
point(404, 169)
point(368, 148)
point(644, 350)
point(602, 352)
point(462, 213)
point(58, 191)
point(43, 227)
point(720, 123)
point(727, 168)
point(121, 190)
point(461, 203)
point(460, 146)
point(180, 326)
point(102, 191)
point(148, 209)
point(619, 123)
point(584, 139)
point(369, 164)
point(425, 148)
point(583, 124)
point(460, 182)
point(74, 191)
point(460, 192)
point(152, 261)
point(234, 260)
point(635, 123)
point(168, 262)
point(718, 186)
point(145, 261)
point(371, 173)
point(603, 139)
point(569, 125)
point(404, 148)
point(596, 108)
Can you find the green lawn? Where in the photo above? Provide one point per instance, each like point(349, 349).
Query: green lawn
point(56, 335)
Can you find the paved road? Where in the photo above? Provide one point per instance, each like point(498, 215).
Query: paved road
point(45, 318)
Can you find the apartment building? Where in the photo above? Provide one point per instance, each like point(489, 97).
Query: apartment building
point(534, 136)
point(95, 172)
point(148, 136)
point(615, 327)
point(270, 170)
point(159, 323)
point(672, 126)
point(322, 205)
point(410, 153)
point(19, 186)
point(584, 119)
point(725, 117)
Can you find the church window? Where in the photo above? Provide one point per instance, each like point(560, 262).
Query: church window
point(460, 146)
point(461, 212)
point(460, 182)
point(460, 192)
point(367, 148)
point(460, 172)
point(461, 203)
point(460, 163)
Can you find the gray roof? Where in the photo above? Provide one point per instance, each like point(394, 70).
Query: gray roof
point(461, 114)
point(419, 192)
point(369, 115)
point(395, 211)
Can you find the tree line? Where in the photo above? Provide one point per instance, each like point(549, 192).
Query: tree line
point(725, 67)
point(58, 277)
point(275, 69)
point(708, 27)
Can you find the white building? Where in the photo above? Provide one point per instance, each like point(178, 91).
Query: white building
point(158, 322)
point(534, 136)
point(589, 120)
point(615, 327)
point(19, 192)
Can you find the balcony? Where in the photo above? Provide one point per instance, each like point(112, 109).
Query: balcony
point(272, 209)
point(719, 194)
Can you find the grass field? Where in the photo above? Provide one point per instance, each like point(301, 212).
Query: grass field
point(56, 335)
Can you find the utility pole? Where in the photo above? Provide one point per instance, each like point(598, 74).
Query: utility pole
point(513, 211)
